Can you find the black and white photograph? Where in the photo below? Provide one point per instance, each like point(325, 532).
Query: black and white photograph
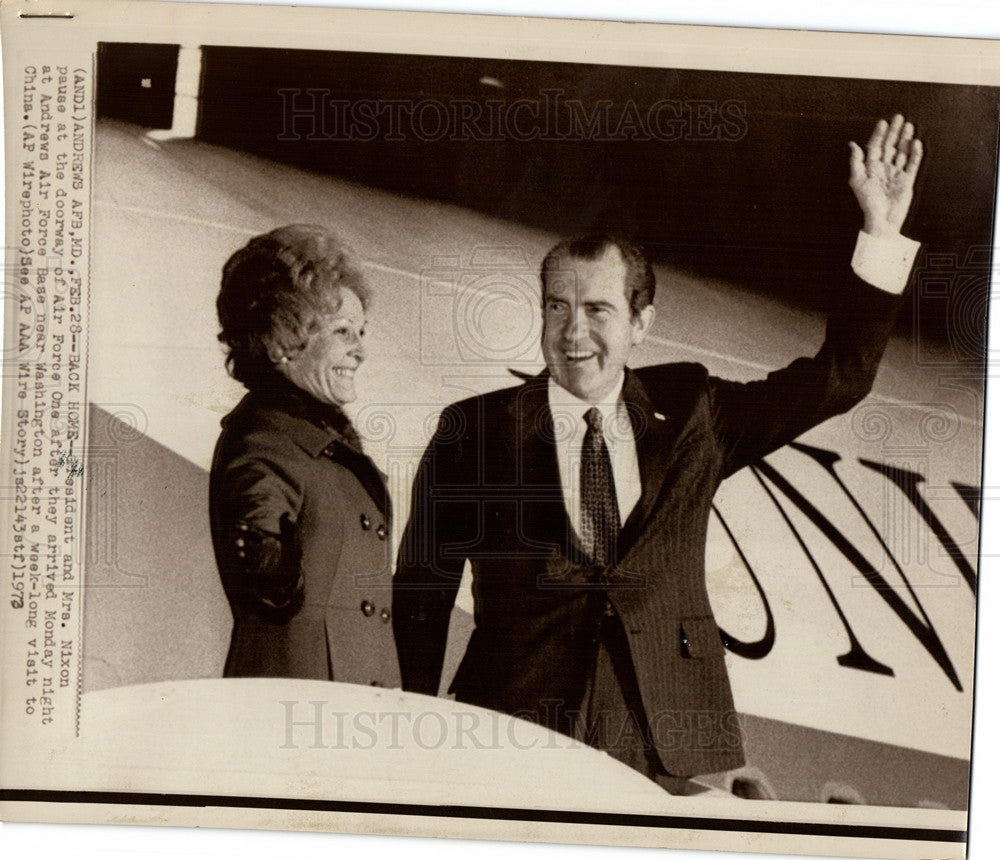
point(498, 428)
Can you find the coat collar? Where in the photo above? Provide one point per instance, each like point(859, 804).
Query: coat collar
point(320, 429)
point(315, 426)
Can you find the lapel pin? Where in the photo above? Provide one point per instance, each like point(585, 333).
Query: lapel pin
point(659, 416)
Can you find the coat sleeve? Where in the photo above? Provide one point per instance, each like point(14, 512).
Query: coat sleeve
point(753, 419)
point(431, 560)
point(256, 538)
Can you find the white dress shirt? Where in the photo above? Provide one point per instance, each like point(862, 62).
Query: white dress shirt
point(570, 427)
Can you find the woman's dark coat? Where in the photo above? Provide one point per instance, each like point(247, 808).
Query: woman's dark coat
point(300, 525)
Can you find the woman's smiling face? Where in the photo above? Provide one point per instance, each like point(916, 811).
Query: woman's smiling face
point(325, 367)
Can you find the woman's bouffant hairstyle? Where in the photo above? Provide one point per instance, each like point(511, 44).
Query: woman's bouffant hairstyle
point(275, 289)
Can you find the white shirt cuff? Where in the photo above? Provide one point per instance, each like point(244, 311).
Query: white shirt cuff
point(883, 262)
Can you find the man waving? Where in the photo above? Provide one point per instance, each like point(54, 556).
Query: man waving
point(582, 498)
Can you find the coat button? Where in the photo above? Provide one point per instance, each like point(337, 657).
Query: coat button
point(368, 608)
point(385, 615)
point(380, 531)
point(365, 522)
point(240, 542)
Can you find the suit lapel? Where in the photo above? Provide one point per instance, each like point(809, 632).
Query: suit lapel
point(655, 436)
point(545, 509)
point(545, 519)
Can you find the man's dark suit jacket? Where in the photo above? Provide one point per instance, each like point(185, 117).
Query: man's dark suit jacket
point(488, 490)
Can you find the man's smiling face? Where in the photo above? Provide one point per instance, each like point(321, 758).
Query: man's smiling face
point(588, 330)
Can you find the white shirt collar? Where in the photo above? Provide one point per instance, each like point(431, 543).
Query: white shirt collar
point(564, 401)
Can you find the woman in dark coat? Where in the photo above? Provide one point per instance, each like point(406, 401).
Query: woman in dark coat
point(299, 513)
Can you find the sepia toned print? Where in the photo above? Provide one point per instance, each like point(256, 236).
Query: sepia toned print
point(781, 620)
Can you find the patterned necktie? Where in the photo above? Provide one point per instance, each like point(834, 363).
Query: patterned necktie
point(599, 502)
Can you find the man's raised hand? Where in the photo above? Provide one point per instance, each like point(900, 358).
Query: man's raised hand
point(882, 175)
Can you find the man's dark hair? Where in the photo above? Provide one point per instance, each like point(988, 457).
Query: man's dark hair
point(640, 282)
point(275, 289)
